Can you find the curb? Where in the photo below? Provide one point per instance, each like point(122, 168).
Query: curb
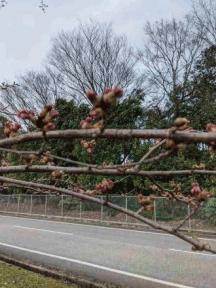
point(82, 283)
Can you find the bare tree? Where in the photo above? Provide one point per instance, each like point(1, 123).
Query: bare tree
point(172, 48)
point(92, 57)
point(204, 12)
point(35, 90)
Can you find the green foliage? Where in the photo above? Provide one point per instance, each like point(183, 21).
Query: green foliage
point(201, 104)
point(210, 211)
point(128, 114)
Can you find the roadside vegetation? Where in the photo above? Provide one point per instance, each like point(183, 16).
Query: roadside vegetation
point(15, 277)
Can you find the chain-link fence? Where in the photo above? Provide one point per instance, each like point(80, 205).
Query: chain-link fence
point(165, 211)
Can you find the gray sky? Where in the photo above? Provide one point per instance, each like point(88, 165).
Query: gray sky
point(26, 32)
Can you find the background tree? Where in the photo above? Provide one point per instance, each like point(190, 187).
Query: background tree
point(204, 15)
point(34, 91)
point(171, 50)
point(202, 105)
point(92, 57)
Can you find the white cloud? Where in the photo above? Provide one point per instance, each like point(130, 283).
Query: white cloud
point(26, 32)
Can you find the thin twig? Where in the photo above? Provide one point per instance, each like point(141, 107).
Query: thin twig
point(151, 150)
point(98, 166)
point(190, 214)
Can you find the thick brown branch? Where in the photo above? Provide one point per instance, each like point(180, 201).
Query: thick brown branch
point(95, 171)
point(190, 137)
point(195, 243)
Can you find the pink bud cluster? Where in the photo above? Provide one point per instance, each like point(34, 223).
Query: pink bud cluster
point(44, 120)
point(199, 194)
point(88, 145)
point(104, 186)
point(211, 127)
point(147, 202)
point(26, 114)
point(11, 128)
point(107, 99)
point(96, 117)
point(195, 189)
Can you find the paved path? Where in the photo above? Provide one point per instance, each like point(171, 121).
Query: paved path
point(126, 257)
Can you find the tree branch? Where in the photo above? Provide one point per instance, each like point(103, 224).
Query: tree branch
point(189, 137)
point(151, 150)
point(197, 244)
point(96, 171)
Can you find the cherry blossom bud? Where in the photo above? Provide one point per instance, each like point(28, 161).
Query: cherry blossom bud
point(109, 98)
point(107, 90)
point(195, 190)
point(84, 124)
point(26, 114)
point(91, 95)
point(54, 113)
point(180, 121)
point(88, 119)
point(48, 108)
point(211, 127)
point(89, 150)
point(11, 128)
point(57, 174)
point(49, 126)
point(97, 113)
point(118, 91)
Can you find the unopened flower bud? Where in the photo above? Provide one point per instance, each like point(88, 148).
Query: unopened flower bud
point(49, 126)
point(181, 122)
point(91, 95)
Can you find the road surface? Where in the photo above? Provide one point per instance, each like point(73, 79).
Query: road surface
point(125, 257)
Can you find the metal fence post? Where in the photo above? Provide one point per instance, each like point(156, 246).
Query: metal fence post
point(80, 212)
point(8, 202)
point(126, 207)
point(18, 204)
point(45, 208)
point(189, 219)
point(155, 211)
point(102, 210)
point(31, 202)
point(62, 205)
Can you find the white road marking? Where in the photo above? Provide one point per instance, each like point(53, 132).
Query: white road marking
point(90, 225)
point(144, 246)
point(101, 227)
point(191, 252)
point(44, 230)
point(125, 273)
point(86, 237)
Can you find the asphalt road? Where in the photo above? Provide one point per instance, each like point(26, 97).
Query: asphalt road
point(125, 257)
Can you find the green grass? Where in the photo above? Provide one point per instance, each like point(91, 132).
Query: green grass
point(15, 277)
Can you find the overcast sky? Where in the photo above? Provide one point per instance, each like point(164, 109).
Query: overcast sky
point(26, 32)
